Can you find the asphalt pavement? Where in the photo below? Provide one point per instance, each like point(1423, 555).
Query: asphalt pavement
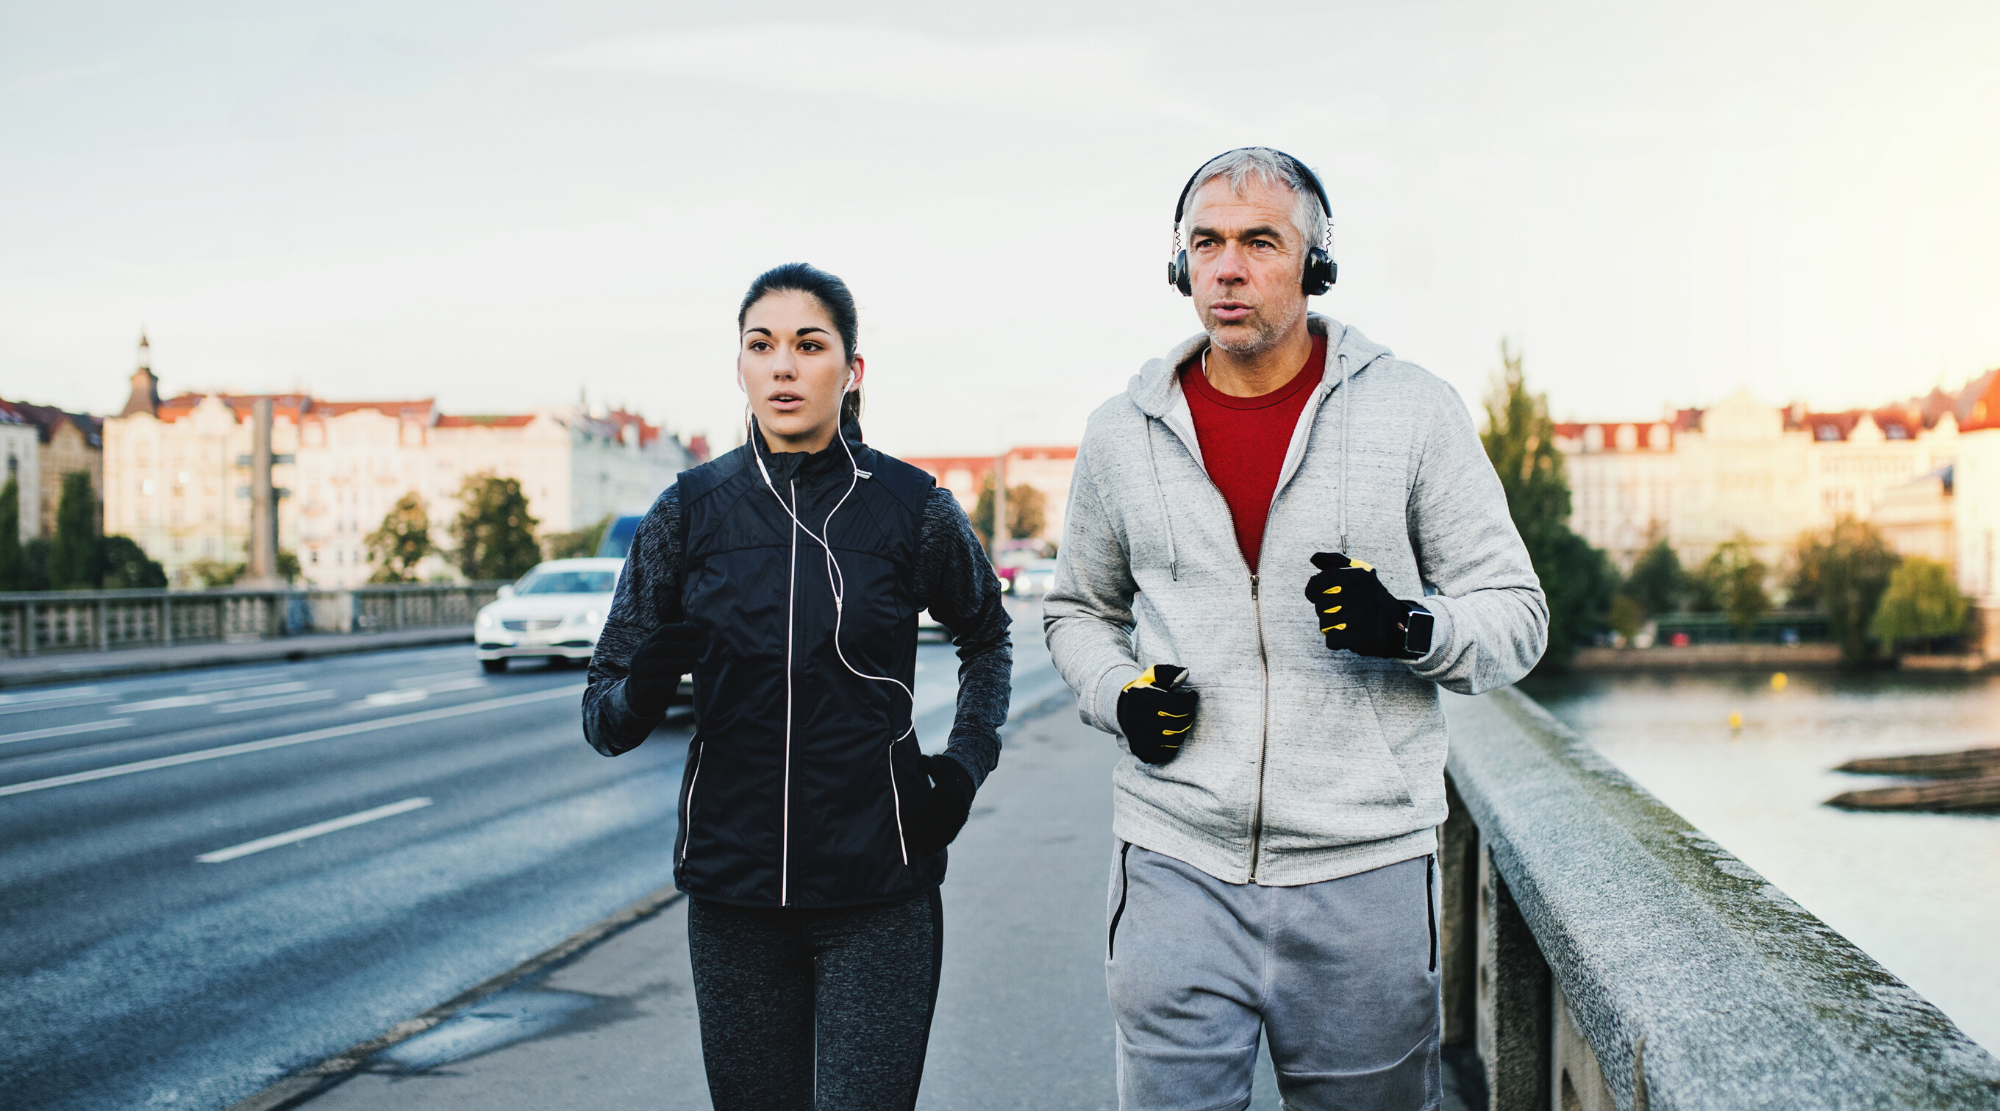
point(216, 879)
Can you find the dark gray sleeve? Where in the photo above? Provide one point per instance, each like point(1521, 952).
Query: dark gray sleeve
point(648, 596)
point(955, 581)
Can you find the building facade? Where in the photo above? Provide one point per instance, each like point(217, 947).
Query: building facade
point(21, 444)
point(177, 473)
point(1045, 469)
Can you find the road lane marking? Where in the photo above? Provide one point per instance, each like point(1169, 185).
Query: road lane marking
point(47, 695)
point(267, 703)
point(238, 679)
point(409, 692)
point(175, 702)
point(292, 837)
point(68, 703)
point(394, 698)
point(64, 730)
point(425, 680)
point(283, 742)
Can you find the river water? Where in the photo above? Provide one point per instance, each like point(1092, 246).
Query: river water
point(1919, 892)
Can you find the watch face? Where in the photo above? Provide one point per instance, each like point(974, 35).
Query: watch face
point(1417, 638)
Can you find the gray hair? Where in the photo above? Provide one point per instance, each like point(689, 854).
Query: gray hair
point(1272, 168)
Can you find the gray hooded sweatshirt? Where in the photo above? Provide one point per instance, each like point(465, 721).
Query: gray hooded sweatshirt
point(1303, 764)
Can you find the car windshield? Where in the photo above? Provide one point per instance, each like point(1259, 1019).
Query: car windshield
point(568, 582)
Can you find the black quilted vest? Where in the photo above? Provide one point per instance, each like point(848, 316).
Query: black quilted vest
point(795, 771)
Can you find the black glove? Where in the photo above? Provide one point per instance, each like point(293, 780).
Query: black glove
point(933, 819)
point(1154, 710)
point(658, 664)
point(1356, 611)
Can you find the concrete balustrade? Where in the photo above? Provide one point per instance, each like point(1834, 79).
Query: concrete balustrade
point(40, 623)
point(1600, 952)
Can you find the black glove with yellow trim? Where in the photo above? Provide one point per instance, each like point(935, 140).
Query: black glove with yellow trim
point(1154, 710)
point(1356, 611)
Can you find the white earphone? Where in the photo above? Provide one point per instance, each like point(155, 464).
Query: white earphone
point(837, 581)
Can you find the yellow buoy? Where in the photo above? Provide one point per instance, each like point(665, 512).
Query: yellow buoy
point(1735, 721)
point(1778, 680)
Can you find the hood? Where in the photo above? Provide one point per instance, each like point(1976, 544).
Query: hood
point(1156, 387)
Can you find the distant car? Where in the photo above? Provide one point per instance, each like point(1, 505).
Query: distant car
point(617, 542)
point(1033, 579)
point(554, 612)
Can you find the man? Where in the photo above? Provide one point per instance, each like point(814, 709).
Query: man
point(1281, 541)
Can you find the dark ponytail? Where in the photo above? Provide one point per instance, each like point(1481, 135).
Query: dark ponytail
point(832, 295)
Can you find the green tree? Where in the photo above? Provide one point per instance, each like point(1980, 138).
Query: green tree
point(13, 571)
point(1657, 581)
point(1843, 570)
point(35, 564)
point(1627, 616)
point(1577, 578)
point(401, 541)
point(73, 556)
point(126, 566)
point(1731, 581)
point(495, 533)
point(1920, 603)
point(215, 572)
point(580, 544)
point(1027, 512)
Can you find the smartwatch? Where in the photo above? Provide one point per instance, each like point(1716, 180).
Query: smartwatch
point(1417, 627)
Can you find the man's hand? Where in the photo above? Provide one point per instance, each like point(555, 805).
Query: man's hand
point(1154, 710)
point(935, 818)
point(658, 664)
point(1356, 611)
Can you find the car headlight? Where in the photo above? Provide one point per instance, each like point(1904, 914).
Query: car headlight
point(592, 618)
point(485, 620)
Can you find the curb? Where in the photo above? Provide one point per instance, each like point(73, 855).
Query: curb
point(212, 656)
point(317, 1079)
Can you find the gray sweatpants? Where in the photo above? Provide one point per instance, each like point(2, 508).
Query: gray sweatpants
point(1341, 976)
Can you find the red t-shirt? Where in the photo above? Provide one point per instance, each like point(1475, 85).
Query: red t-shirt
point(1243, 441)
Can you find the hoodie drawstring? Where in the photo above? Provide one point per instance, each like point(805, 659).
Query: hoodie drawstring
point(1173, 560)
point(1346, 427)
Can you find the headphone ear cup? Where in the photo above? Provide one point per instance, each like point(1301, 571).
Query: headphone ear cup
point(1319, 274)
point(1178, 276)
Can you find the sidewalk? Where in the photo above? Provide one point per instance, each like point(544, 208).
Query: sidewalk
point(1022, 1023)
point(70, 667)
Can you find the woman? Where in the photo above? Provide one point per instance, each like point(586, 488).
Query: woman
point(786, 577)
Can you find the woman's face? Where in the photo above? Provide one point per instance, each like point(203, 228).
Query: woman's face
point(792, 364)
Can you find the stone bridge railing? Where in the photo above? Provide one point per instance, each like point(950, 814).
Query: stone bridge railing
point(100, 620)
point(1600, 952)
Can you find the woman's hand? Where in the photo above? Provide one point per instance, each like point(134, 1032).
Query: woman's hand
point(935, 818)
point(658, 664)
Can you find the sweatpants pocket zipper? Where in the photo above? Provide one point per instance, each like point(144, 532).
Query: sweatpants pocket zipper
point(1124, 889)
point(1430, 904)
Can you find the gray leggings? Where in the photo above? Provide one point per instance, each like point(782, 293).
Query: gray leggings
point(849, 990)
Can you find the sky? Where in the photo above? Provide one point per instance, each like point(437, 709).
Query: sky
point(506, 205)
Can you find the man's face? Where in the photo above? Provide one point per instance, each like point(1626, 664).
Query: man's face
point(1246, 261)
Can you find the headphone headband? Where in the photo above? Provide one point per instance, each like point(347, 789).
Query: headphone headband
point(1303, 170)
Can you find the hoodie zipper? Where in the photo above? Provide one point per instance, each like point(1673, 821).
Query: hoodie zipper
point(1263, 657)
point(1264, 718)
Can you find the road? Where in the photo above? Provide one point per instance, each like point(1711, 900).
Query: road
point(215, 877)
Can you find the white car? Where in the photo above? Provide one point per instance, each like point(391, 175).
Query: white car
point(554, 612)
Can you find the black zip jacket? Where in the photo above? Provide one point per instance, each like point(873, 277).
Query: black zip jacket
point(795, 773)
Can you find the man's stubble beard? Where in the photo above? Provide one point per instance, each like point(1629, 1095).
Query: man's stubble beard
point(1265, 333)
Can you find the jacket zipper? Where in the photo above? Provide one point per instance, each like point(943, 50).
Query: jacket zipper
point(791, 607)
point(687, 805)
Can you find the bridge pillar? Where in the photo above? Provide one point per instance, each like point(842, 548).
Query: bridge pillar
point(1511, 1023)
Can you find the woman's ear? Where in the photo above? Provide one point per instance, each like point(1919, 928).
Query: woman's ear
point(854, 371)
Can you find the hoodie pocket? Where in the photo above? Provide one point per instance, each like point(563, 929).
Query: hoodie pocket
point(1330, 777)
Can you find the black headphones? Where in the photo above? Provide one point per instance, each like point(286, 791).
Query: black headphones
point(1320, 269)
